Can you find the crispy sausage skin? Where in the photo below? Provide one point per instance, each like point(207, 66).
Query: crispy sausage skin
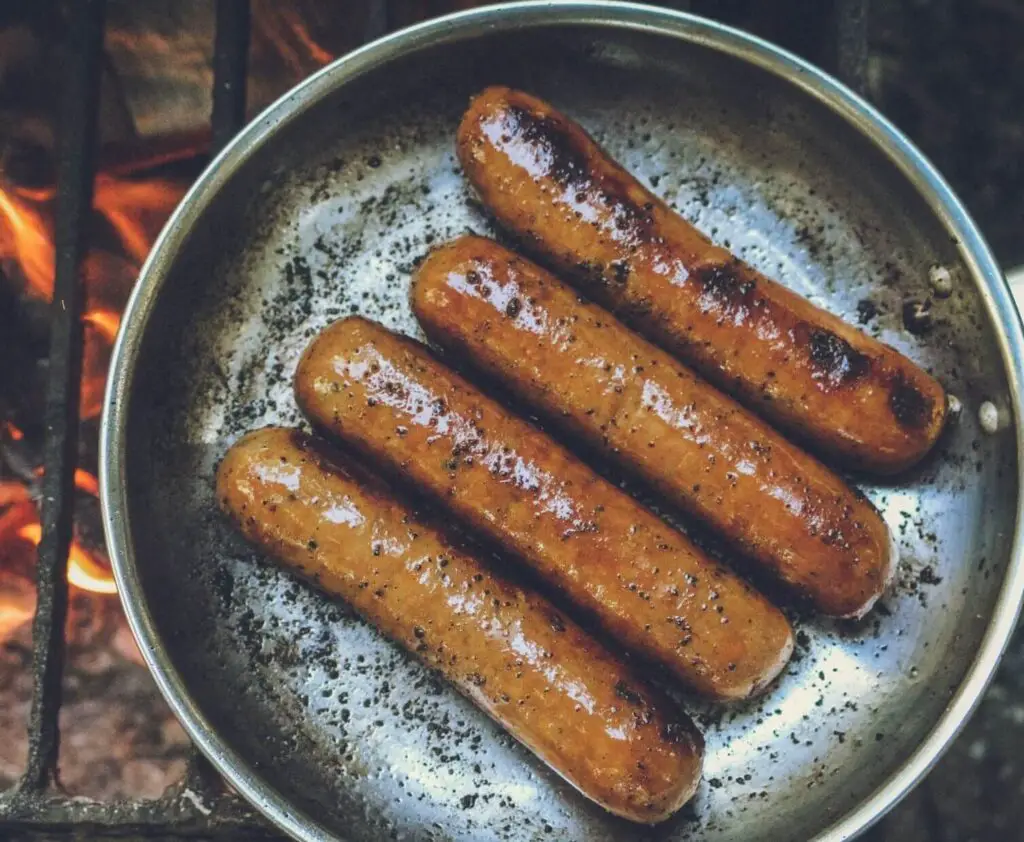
point(548, 182)
point(645, 583)
point(598, 380)
point(539, 675)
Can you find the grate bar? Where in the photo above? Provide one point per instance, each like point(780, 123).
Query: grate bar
point(76, 147)
point(230, 66)
point(181, 816)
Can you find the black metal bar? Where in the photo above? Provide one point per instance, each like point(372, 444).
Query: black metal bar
point(182, 816)
point(230, 66)
point(850, 42)
point(76, 148)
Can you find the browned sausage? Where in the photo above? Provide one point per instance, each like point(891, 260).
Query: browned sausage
point(600, 381)
point(555, 688)
point(547, 181)
point(648, 585)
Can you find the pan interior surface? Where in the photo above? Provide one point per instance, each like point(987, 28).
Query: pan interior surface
point(328, 215)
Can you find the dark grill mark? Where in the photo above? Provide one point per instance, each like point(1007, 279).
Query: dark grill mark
point(561, 156)
point(568, 162)
point(724, 287)
point(834, 359)
point(909, 406)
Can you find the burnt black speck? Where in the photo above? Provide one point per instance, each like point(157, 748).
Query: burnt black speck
point(866, 310)
point(917, 317)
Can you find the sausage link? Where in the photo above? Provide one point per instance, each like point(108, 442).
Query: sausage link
point(645, 583)
point(548, 182)
point(540, 676)
point(598, 380)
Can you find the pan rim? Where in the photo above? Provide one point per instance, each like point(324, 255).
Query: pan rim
point(862, 117)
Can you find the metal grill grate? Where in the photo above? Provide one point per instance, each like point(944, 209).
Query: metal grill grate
point(834, 35)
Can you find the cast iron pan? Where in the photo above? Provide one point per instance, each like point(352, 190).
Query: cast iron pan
point(322, 207)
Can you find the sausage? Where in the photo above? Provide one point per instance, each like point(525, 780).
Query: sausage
point(549, 183)
point(534, 671)
point(602, 383)
point(645, 584)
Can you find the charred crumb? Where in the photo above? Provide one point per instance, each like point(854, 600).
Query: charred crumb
point(866, 310)
point(917, 317)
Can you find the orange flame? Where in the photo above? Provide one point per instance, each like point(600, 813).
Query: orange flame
point(25, 238)
point(21, 519)
point(128, 205)
point(84, 481)
point(284, 28)
point(84, 571)
point(105, 321)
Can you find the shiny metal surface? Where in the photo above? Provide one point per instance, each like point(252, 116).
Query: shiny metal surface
point(322, 206)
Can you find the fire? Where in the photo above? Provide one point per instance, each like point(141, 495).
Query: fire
point(84, 481)
point(131, 208)
point(105, 321)
point(25, 238)
point(285, 29)
point(84, 571)
point(135, 211)
point(19, 518)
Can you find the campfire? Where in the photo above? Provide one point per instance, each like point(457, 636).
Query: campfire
point(133, 212)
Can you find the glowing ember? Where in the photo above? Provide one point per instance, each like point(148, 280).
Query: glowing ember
point(84, 481)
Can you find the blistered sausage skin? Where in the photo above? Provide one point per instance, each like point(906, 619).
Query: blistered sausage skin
point(540, 676)
point(645, 583)
point(548, 182)
point(589, 374)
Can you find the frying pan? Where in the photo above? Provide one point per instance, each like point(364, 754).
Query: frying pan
point(322, 207)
